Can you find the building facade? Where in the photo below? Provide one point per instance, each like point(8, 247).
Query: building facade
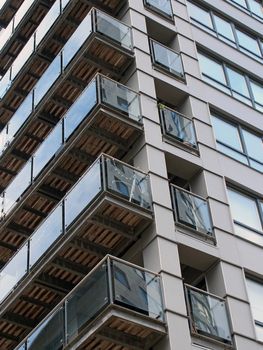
point(131, 174)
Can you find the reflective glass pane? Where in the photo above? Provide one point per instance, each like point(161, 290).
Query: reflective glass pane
point(15, 269)
point(259, 332)
point(257, 90)
point(241, 3)
point(6, 34)
point(227, 133)
point(114, 29)
point(167, 59)
point(120, 97)
point(80, 109)
point(247, 42)
point(224, 28)
point(209, 316)
point(77, 40)
point(87, 301)
point(5, 83)
point(179, 127)
point(17, 186)
point(3, 139)
point(254, 145)
point(256, 165)
point(255, 294)
point(20, 116)
point(23, 57)
point(83, 193)
point(45, 235)
point(200, 15)
point(47, 79)
point(137, 290)
point(212, 69)
point(256, 7)
point(232, 153)
point(47, 149)
point(248, 234)
point(238, 82)
point(128, 183)
point(244, 209)
point(47, 22)
point(49, 335)
point(161, 5)
point(192, 211)
point(22, 11)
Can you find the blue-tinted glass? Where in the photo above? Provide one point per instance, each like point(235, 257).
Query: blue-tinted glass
point(200, 15)
point(238, 82)
point(212, 69)
point(227, 133)
point(254, 145)
point(257, 90)
point(247, 42)
point(256, 7)
point(224, 28)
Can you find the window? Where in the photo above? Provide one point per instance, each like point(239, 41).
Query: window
point(238, 143)
point(162, 6)
point(231, 81)
point(254, 7)
point(255, 295)
point(226, 31)
point(247, 215)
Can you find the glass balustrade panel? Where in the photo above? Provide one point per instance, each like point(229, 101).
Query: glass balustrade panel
point(167, 59)
point(17, 186)
point(23, 57)
point(128, 183)
point(77, 40)
point(114, 30)
point(179, 127)
point(87, 301)
point(64, 3)
point(163, 6)
point(81, 108)
point(5, 83)
point(47, 149)
point(47, 79)
point(209, 316)
point(193, 211)
point(47, 22)
point(83, 193)
point(3, 139)
point(137, 290)
point(12, 273)
point(22, 11)
point(6, 34)
point(45, 235)
point(20, 116)
point(120, 97)
point(50, 334)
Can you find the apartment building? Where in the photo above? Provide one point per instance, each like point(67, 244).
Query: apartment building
point(131, 174)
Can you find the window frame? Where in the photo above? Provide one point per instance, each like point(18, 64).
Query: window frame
point(155, 10)
point(235, 28)
point(247, 9)
point(239, 129)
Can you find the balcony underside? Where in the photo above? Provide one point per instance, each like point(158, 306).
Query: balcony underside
point(98, 57)
point(118, 328)
point(109, 225)
point(103, 131)
point(8, 11)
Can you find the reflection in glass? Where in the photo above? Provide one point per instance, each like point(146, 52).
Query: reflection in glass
point(209, 315)
point(87, 301)
point(45, 235)
point(212, 69)
point(23, 57)
point(83, 193)
point(224, 28)
point(238, 82)
point(13, 272)
point(17, 186)
point(178, 126)
point(227, 133)
point(247, 42)
point(200, 15)
point(163, 6)
point(255, 292)
point(120, 97)
point(192, 211)
point(50, 334)
point(167, 59)
point(5, 83)
point(127, 182)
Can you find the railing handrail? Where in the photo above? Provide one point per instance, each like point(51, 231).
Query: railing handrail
point(189, 192)
point(162, 106)
point(166, 47)
point(201, 291)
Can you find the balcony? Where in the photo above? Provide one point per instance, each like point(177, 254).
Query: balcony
point(8, 9)
point(192, 212)
point(105, 117)
point(163, 7)
point(123, 295)
point(100, 43)
point(208, 316)
point(177, 127)
point(166, 60)
point(104, 213)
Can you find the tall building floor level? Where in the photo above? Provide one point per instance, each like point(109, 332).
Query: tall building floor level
point(131, 158)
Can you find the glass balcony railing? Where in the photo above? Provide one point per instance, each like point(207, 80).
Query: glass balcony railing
point(177, 126)
point(161, 6)
point(192, 211)
point(95, 21)
point(112, 282)
point(100, 91)
point(166, 59)
point(208, 315)
point(105, 175)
